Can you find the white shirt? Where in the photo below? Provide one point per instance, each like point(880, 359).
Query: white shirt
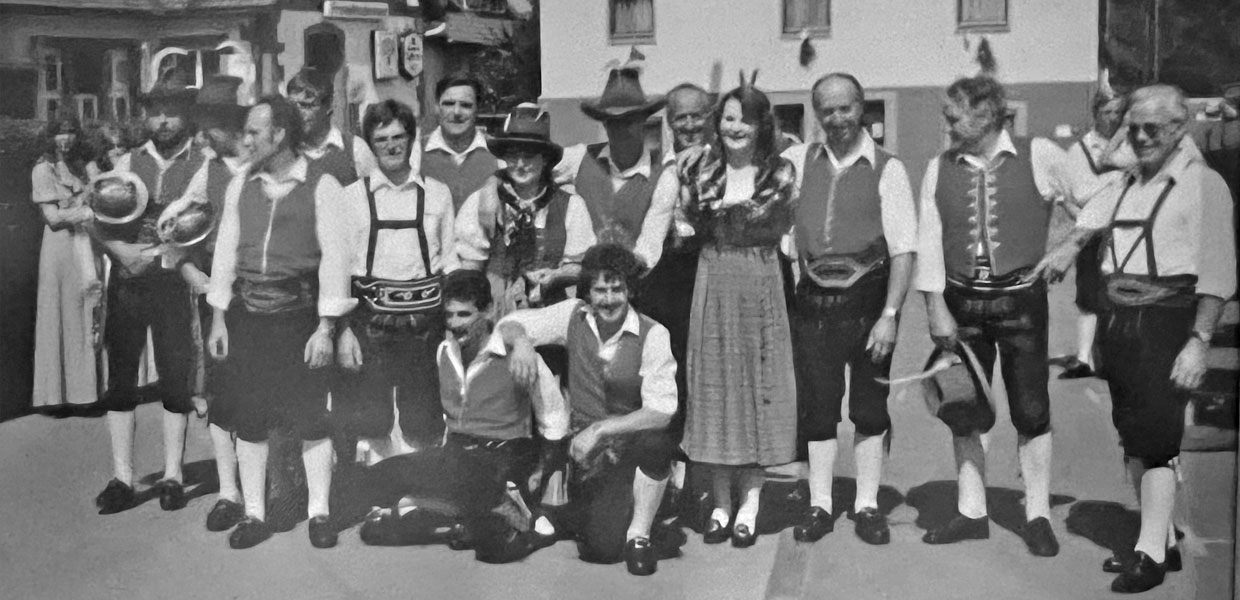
point(549, 326)
point(125, 162)
point(363, 159)
point(551, 413)
point(436, 141)
point(1079, 165)
point(1193, 230)
point(896, 202)
point(473, 237)
point(333, 274)
point(930, 274)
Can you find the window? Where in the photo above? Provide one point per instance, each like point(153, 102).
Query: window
point(790, 119)
point(631, 21)
point(87, 106)
point(51, 84)
point(981, 15)
point(813, 16)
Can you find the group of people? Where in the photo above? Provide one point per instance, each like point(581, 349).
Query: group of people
point(556, 332)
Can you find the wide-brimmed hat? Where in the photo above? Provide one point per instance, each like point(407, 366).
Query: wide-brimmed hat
point(622, 98)
point(117, 197)
point(959, 395)
point(172, 89)
point(527, 126)
point(186, 221)
point(215, 104)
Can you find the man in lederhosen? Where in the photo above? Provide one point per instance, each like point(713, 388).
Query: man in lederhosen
point(1168, 265)
point(399, 239)
point(985, 212)
point(855, 237)
point(278, 284)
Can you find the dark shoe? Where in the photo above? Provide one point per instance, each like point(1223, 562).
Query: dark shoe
point(872, 527)
point(510, 547)
point(322, 532)
point(250, 532)
point(816, 523)
point(715, 533)
point(1118, 564)
point(640, 556)
point(171, 494)
point(416, 528)
point(1075, 369)
point(958, 529)
point(460, 538)
point(225, 515)
point(742, 537)
point(1039, 537)
point(115, 498)
point(1141, 575)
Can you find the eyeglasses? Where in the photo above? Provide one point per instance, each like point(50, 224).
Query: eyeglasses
point(1150, 129)
point(388, 140)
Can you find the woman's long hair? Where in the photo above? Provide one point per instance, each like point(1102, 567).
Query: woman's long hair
point(78, 154)
point(756, 110)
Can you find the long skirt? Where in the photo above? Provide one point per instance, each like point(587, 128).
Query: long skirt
point(66, 322)
point(741, 407)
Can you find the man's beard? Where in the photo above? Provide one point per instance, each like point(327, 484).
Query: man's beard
point(167, 140)
point(473, 334)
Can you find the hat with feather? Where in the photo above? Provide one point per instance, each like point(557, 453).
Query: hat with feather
point(622, 96)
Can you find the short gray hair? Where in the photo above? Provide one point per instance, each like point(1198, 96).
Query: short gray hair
point(1168, 99)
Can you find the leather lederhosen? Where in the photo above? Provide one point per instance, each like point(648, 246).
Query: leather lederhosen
point(395, 303)
point(1129, 289)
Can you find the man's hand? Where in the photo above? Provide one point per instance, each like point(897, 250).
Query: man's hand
point(882, 338)
point(318, 352)
point(348, 351)
point(1190, 365)
point(1056, 263)
point(942, 324)
point(217, 342)
point(585, 442)
point(523, 363)
point(194, 277)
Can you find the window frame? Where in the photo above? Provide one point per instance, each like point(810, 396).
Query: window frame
point(1003, 26)
point(630, 39)
point(814, 32)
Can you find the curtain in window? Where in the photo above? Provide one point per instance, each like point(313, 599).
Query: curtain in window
point(632, 17)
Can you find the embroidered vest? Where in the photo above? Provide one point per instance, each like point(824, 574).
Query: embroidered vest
point(163, 189)
point(603, 388)
point(464, 179)
point(839, 213)
point(284, 228)
point(617, 215)
point(490, 406)
point(997, 214)
point(549, 244)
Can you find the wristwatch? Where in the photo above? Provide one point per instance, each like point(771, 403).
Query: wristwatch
point(1203, 336)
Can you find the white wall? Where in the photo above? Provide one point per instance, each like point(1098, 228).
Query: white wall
point(885, 43)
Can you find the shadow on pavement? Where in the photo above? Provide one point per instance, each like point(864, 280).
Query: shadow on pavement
point(1108, 524)
point(935, 502)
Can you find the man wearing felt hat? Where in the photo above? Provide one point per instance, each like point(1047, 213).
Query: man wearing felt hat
point(527, 232)
point(147, 292)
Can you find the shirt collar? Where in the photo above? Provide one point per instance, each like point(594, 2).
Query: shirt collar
point(380, 180)
point(1185, 155)
point(864, 148)
point(297, 173)
point(436, 141)
point(1002, 145)
point(235, 165)
point(632, 323)
point(641, 168)
point(150, 149)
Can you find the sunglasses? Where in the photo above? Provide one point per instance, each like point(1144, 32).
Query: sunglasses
point(1151, 130)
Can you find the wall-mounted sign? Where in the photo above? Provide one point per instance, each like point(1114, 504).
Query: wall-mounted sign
point(351, 9)
point(384, 45)
point(411, 54)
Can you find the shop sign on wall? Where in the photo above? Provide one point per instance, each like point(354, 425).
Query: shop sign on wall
point(385, 46)
point(411, 54)
point(347, 9)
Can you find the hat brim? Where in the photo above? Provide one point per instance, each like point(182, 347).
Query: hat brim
point(500, 146)
point(616, 113)
point(139, 190)
point(184, 97)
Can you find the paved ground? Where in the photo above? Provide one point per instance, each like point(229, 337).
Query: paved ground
point(53, 545)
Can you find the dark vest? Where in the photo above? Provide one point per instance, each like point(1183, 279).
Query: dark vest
point(839, 214)
point(493, 407)
point(219, 176)
point(464, 179)
point(292, 245)
point(1015, 220)
point(163, 190)
point(601, 389)
point(549, 244)
point(617, 215)
point(338, 162)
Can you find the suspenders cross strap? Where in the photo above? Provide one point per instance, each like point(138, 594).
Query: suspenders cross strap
point(1129, 289)
point(1147, 230)
point(385, 296)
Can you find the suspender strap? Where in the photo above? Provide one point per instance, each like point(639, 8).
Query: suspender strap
point(377, 224)
point(1147, 230)
point(1093, 166)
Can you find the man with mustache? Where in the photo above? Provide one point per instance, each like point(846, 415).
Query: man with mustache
point(489, 419)
point(399, 235)
point(985, 212)
point(1168, 264)
point(147, 292)
point(855, 236)
point(456, 152)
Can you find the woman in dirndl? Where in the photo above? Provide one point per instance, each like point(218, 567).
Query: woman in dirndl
point(741, 415)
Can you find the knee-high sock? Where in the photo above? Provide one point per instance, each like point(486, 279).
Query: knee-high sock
point(751, 482)
point(822, 473)
point(678, 474)
point(971, 478)
point(225, 463)
point(1035, 467)
point(252, 462)
point(1157, 504)
point(721, 488)
point(120, 427)
point(317, 456)
point(868, 454)
point(1086, 324)
point(174, 444)
point(647, 493)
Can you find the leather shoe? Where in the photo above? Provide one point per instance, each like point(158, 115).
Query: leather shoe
point(224, 515)
point(512, 546)
point(640, 556)
point(250, 532)
point(115, 498)
point(171, 494)
point(958, 529)
point(322, 532)
point(872, 527)
point(816, 523)
point(1039, 537)
point(742, 537)
point(1075, 369)
point(715, 533)
point(1141, 575)
point(1117, 563)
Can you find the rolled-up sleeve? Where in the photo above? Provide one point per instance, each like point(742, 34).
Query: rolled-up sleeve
point(930, 275)
point(658, 372)
point(1100, 206)
point(334, 265)
point(1051, 173)
point(578, 231)
point(649, 246)
point(551, 412)
point(1216, 252)
point(473, 243)
point(45, 186)
point(546, 326)
point(899, 209)
point(449, 260)
point(224, 260)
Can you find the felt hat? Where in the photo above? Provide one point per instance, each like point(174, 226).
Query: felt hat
point(215, 104)
point(171, 89)
point(186, 221)
point(622, 98)
point(527, 126)
point(958, 391)
point(117, 197)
